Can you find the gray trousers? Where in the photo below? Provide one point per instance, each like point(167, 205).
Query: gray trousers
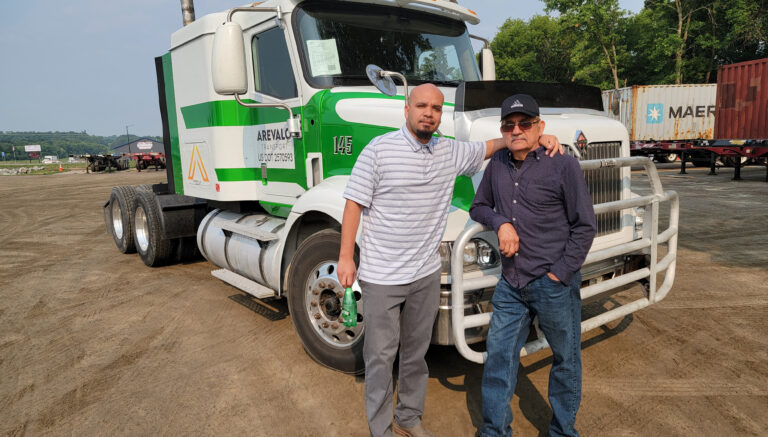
point(386, 327)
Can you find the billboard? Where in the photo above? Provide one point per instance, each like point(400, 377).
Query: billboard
point(32, 148)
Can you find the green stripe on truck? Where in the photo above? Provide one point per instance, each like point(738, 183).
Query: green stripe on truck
point(173, 127)
point(231, 113)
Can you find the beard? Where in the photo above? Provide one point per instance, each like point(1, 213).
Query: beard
point(424, 134)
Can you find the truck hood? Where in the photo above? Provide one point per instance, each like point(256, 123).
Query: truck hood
point(365, 105)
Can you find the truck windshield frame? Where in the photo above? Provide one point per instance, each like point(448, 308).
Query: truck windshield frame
point(337, 40)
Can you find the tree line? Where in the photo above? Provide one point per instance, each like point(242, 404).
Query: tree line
point(62, 144)
point(593, 42)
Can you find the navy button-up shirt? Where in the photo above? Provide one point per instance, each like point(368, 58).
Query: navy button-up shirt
point(548, 203)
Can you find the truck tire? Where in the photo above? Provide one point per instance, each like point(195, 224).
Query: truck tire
point(153, 249)
point(665, 158)
point(144, 187)
point(122, 202)
point(314, 302)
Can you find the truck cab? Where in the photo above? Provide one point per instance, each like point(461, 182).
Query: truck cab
point(265, 110)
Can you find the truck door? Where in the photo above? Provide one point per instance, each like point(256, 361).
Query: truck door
point(267, 146)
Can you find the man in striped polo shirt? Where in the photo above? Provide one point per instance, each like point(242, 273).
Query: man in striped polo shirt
point(402, 185)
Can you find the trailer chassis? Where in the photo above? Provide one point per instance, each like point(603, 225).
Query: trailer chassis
point(146, 160)
point(755, 152)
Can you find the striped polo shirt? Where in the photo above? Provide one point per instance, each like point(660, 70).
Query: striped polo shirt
point(405, 188)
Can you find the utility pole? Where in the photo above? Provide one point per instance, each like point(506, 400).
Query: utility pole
point(128, 138)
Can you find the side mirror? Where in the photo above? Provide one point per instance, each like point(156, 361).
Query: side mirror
point(228, 60)
point(382, 80)
point(487, 66)
point(384, 84)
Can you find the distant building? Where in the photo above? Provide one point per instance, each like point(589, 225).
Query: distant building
point(140, 145)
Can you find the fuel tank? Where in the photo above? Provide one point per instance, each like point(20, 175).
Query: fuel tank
point(238, 252)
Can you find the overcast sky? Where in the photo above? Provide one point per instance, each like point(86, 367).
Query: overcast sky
point(88, 65)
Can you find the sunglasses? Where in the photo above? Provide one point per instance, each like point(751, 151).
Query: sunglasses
point(509, 126)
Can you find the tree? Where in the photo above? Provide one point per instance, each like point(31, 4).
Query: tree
point(600, 24)
point(667, 42)
point(539, 50)
point(677, 41)
point(684, 11)
point(740, 28)
point(60, 144)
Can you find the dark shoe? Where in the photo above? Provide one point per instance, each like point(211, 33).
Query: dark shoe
point(417, 430)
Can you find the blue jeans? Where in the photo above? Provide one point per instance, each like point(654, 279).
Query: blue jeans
point(558, 307)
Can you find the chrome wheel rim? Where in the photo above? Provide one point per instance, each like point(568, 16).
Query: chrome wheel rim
point(117, 220)
point(323, 297)
point(142, 229)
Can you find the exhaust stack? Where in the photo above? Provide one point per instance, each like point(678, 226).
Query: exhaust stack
point(187, 11)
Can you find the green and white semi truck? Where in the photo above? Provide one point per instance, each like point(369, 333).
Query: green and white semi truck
point(265, 109)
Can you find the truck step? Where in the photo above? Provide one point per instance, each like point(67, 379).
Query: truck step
point(243, 283)
point(248, 231)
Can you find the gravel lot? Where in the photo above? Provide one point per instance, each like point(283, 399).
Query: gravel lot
point(92, 342)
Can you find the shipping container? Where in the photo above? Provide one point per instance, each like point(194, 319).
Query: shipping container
point(664, 112)
point(742, 101)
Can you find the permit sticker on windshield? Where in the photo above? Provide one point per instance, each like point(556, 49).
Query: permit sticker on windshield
point(323, 57)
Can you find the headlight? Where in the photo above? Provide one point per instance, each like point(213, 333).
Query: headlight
point(470, 252)
point(478, 253)
point(487, 255)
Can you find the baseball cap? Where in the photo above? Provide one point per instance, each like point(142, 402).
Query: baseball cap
point(522, 103)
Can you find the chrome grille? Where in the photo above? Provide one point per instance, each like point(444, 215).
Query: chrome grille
point(604, 184)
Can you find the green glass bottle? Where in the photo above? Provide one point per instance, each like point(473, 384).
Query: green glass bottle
point(349, 308)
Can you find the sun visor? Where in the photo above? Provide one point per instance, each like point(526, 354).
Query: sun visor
point(476, 95)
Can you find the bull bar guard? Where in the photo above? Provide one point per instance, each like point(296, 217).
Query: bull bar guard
point(650, 239)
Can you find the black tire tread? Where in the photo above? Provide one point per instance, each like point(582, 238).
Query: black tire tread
point(125, 196)
point(160, 251)
point(322, 245)
point(665, 158)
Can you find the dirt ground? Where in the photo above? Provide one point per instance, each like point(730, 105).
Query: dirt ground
point(92, 342)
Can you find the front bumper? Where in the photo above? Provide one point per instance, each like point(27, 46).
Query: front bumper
point(475, 302)
point(479, 301)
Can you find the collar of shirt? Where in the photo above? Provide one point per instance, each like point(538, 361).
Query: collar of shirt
point(533, 154)
point(415, 144)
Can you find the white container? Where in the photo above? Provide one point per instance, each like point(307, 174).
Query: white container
point(664, 112)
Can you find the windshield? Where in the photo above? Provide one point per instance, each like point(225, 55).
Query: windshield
point(339, 39)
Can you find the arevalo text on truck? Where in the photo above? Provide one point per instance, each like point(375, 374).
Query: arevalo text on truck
point(265, 109)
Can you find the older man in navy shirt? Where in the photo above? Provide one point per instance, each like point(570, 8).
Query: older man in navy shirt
point(541, 209)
